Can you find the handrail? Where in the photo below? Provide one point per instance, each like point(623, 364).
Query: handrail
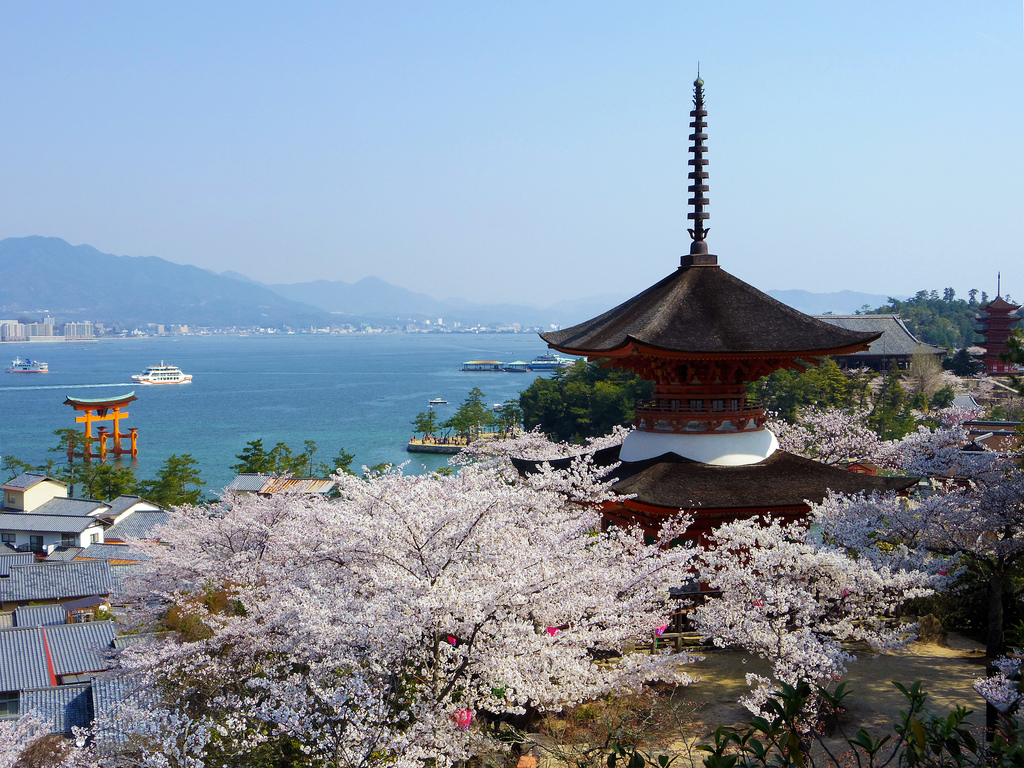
point(659, 406)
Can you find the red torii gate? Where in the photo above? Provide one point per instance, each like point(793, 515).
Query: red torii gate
point(103, 409)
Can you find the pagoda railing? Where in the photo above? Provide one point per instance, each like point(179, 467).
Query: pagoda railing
point(708, 414)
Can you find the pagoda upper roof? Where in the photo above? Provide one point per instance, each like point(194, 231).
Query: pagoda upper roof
point(783, 480)
point(1000, 305)
point(702, 309)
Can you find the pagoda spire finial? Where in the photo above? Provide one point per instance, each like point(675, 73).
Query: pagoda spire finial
point(698, 188)
point(999, 284)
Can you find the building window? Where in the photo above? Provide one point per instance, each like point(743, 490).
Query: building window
point(10, 499)
point(35, 543)
point(68, 540)
point(94, 538)
point(10, 538)
point(8, 704)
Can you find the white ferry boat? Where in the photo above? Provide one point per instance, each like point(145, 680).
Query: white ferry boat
point(549, 362)
point(162, 374)
point(27, 366)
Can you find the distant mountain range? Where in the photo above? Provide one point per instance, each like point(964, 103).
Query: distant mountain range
point(78, 282)
point(47, 274)
point(372, 297)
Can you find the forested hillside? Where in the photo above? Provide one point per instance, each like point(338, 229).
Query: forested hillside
point(942, 320)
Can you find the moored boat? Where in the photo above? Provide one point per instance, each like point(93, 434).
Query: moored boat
point(437, 401)
point(549, 362)
point(162, 374)
point(27, 366)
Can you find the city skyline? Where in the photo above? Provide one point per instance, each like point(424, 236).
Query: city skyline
point(522, 152)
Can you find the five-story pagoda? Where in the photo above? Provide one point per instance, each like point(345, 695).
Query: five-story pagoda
point(701, 335)
point(996, 318)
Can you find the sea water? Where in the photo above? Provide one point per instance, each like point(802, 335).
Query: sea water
point(353, 391)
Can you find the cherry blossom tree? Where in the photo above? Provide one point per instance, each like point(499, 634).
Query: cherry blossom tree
point(397, 624)
point(828, 435)
point(977, 523)
point(534, 446)
point(27, 741)
point(16, 735)
point(404, 621)
point(833, 435)
point(794, 600)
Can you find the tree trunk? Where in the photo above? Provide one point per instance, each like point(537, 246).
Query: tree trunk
point(994, 638)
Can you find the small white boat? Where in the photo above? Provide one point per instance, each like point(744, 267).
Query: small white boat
point(437, 401)
point(162, 374)
point(27, 366)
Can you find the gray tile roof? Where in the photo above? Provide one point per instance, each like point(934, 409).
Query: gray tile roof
point(81, 603)
point(6, 619)
point(39, 615)
point(123, 574)
point(124, 503)
point(70, 507)
point(21, 558)
point(62, 707)
point(26, 521)
point(138, 525)
point(896, 338)
point(112, 552)
point(74, 649)
point(56, 581)
point(22, 660)
point(78, 648)
point(64, 554)
point(27, 480)
point(108, 691)
point(248, 483)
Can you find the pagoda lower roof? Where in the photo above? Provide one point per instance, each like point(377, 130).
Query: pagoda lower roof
point(783, 480)
point(704, 310)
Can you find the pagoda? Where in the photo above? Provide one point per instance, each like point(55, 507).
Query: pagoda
point(996, 318)
point(701, 335)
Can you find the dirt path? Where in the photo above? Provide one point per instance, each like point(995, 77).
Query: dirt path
point(695, 711)
point(874, 703)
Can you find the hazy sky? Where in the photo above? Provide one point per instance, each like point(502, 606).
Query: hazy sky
point(522, 151)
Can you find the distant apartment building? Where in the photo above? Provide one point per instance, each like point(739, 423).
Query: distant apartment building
point(12, 330)
point(42, 330)
point(78, 331)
